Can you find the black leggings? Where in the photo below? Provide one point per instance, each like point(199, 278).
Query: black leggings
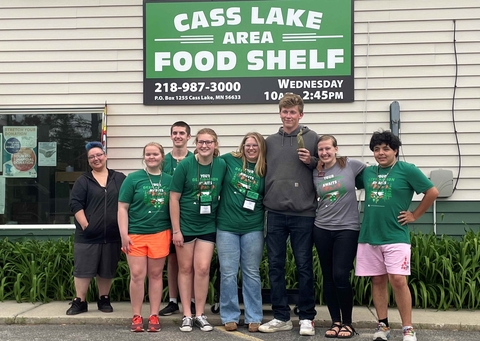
point(336, 251)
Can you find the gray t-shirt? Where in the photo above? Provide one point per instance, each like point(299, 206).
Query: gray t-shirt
point(337, 201)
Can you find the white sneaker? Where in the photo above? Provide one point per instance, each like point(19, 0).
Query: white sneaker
point(382, 333)
point(275, 326)
point(409, 334)
point(307, 327)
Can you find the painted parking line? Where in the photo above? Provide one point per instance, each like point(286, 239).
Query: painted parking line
point(238, 334)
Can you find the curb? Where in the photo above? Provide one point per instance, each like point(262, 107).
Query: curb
point(364, 317)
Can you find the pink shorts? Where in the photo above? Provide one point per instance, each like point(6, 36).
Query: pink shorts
point(376, 260)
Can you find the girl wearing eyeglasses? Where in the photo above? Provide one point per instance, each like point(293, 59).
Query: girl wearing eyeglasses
point(96, 248)
point(194, 200)
point(240, 223)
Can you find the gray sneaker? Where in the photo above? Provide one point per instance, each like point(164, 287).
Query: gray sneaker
point(187, 324)
point(202, 323)
point(275, 326)
point(382, 333)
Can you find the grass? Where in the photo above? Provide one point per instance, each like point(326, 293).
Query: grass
point(445, 273)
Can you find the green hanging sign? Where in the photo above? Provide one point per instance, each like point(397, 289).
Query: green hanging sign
point(227, 52)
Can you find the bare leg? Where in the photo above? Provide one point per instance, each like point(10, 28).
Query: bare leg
point(202, 258)
point(172, 271)
point(185, 275)
point(403, 298)
point(155, 283)
point(81, 287)
point(138, 271)
point(380, 295)
point(104, 285)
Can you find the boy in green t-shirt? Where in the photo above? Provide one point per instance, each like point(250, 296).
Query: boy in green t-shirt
point(384, 242)
point(180, 134)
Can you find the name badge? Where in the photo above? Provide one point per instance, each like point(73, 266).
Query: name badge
point(250, 198)
point(249, 205)
point(205, 209)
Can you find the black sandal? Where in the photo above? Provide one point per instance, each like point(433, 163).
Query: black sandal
point(348, 330)
point(336, 327)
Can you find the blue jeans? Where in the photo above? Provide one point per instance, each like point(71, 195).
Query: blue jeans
point(336, 251)
point(246, 249)
point(300, 229)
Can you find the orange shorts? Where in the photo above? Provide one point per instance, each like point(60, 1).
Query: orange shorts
point(155, 245)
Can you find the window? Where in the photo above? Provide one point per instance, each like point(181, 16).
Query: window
point(43, 153)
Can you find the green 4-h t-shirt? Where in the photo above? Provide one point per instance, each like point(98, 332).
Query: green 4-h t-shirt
point(149, 202)
point(388, 191)
point(232, 216)
point(170, 163)
point(199, 185)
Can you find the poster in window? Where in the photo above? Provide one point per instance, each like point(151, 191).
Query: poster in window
point(47, 153)
point(20, 152)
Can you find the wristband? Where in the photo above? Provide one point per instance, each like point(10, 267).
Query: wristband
point(175, 232)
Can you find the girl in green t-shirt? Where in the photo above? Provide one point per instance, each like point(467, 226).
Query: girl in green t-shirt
point(145, 229)
point(240, 223)
point(194, 199)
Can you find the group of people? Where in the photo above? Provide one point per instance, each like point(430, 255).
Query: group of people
point(183, 204)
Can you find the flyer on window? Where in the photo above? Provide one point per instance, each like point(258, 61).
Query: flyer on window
point(47, 153)
point(20, 152)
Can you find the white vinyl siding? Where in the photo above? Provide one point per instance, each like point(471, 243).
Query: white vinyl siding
point(85, 53)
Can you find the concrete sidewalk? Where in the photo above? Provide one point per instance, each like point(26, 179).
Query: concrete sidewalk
point(363, 317)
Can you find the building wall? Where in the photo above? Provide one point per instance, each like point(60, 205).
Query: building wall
point(66, 53)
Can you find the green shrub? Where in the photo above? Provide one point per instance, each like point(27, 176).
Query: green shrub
point(445, 273)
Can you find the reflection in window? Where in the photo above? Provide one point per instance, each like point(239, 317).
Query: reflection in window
point(60, 158)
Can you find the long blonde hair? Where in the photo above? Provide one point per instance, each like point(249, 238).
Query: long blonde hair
point(213, 134)
point(261, 165)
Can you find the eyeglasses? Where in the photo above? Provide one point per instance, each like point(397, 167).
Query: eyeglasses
point(96, 156)
point(202, 142)
point(248, 146)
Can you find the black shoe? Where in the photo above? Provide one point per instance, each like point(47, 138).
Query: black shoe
point(104, 304)
point(77, 307)
point(170, 309)
point(192, 308)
